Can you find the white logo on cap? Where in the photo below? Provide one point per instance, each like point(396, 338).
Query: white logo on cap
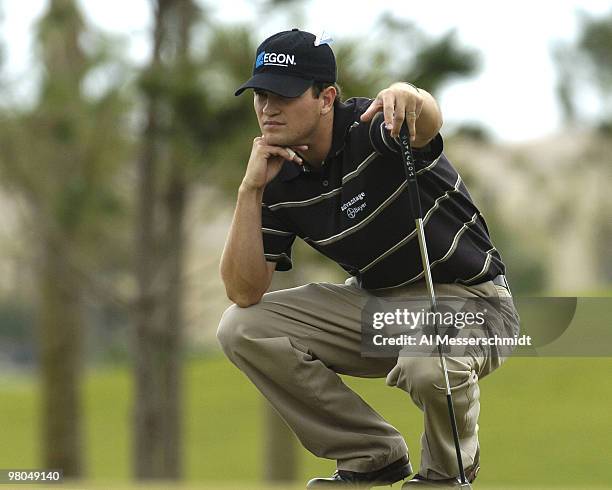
point(275, 59)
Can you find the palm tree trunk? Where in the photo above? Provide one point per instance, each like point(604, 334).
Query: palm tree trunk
point(147, 430)
point(173, 325)
point(60, 343)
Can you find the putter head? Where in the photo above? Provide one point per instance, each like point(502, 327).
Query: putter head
point(465, 485)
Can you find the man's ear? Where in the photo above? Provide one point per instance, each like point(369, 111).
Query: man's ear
point(328, 95)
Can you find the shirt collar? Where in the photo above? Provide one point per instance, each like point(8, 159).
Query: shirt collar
point(344, 116)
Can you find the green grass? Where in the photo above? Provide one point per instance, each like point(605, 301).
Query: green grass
point(247, 486)
point(545, 422)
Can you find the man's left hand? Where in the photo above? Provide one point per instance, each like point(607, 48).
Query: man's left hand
point(399, 102)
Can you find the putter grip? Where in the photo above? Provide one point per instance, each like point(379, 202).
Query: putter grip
point(410, 169)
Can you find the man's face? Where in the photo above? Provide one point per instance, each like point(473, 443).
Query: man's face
point(287, 121)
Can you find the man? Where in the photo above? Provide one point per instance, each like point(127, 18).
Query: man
point(331, 173)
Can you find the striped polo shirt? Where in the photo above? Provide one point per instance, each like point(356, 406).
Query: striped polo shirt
point(355, 210)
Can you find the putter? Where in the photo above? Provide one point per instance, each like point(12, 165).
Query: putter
point(417, 212)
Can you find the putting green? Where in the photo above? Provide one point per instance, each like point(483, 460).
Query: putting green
point(544, 423)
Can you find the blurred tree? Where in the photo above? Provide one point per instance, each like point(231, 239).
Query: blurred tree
point(194, 127)
point(60, 158)
point(583, 67)
point(427, 62)
point(1, 43)
point(595, 43)
point(439, 61)
point(280, 450)
point(474, 131)
point(162, 189)
point(186, 120)
point(586, 63)
point(564, 60)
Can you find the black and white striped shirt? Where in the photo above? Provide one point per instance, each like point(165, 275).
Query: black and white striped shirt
point(355, 210)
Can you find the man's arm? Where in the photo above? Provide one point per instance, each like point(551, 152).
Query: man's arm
point(402, 101)
point(244, 270)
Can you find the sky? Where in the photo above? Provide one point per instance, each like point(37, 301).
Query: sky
point(513, 95)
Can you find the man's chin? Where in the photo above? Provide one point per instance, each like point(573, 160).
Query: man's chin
point(279, 140)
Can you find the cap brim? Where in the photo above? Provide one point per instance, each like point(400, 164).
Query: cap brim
point(284, 85)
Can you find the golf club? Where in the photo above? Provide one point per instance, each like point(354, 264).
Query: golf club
point(415, 205)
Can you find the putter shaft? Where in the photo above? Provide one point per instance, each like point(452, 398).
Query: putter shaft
point(415, 204)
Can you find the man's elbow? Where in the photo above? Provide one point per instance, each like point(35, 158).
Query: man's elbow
point(428, 134)
point(435, 124)
point(432, 125)
point(241, 293)
point(440, 122)
point(244, 300)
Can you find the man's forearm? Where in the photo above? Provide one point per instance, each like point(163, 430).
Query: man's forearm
point(430, 120)
point(243, 267)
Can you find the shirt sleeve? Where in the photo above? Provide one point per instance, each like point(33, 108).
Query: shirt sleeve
point(277, 239)
point(385, 145)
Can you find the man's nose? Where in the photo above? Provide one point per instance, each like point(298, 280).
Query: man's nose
point(270, 107)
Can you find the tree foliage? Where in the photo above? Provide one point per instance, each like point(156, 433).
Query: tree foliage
point(60, 158)
point(586, 64)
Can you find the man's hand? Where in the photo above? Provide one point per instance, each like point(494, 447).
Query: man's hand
point(266, 161)
point(399, 102)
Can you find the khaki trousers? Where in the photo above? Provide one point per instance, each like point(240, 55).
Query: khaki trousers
point(293, 343)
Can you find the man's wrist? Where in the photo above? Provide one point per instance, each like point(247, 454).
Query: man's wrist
point(249, 188)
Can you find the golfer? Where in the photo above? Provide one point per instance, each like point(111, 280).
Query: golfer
point(331, 173)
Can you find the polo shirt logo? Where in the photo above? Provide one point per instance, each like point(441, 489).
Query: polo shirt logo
point(353, 205)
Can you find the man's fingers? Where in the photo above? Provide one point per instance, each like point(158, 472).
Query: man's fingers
point(388, 109)
point(286, 152)
point(293, 155)
point(411, 117)
point(374, 107)
point(399, 115)
point(283, 152)
point(398, 105)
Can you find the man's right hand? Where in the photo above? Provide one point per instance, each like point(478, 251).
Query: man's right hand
point(266, 161)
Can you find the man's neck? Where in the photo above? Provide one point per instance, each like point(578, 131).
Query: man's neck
point(320, 142)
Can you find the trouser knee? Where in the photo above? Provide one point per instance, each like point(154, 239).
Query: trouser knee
point(423, 378)
point(237, 326)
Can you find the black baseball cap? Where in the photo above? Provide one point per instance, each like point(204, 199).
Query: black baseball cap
point(288, 63)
